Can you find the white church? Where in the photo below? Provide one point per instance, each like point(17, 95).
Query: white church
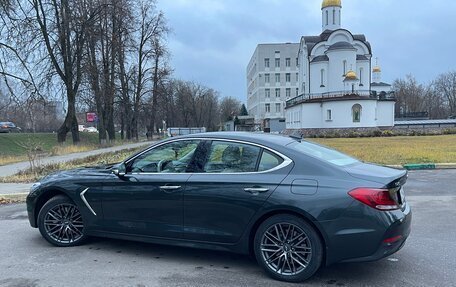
point(336, 84)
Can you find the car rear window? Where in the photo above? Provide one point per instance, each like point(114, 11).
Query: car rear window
point(323, 153)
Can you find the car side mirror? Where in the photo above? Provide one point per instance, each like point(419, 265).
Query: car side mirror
point(119, 170)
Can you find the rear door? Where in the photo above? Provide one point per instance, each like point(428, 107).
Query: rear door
point(236, 180)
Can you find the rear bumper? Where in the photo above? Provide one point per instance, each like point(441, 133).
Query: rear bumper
point(393, 240)
point(378, 234)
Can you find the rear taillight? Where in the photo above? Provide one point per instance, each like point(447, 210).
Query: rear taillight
point(376, 198)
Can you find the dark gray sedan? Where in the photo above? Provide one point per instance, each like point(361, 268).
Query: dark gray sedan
point(293, 204)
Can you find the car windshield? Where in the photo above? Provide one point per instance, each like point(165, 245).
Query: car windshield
point(323, 153)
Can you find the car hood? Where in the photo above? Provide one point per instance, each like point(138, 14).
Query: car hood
point(85, 172)
point(375, 173)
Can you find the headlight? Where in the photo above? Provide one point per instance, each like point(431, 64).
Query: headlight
point(35, 186)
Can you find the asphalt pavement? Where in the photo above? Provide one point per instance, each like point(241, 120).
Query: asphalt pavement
point(427, 259)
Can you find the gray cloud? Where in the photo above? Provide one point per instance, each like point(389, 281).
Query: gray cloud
point(213, 40)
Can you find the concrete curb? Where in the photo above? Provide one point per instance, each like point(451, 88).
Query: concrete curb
point(425, 166)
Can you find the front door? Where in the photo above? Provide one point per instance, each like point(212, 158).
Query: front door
point(148, 200)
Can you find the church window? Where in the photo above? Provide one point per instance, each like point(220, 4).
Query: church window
point(345, 68)
point(322, 78)
point(327, 17)
point(329, 115)
point(334, 17)
point(356, 113)
point(361, 70)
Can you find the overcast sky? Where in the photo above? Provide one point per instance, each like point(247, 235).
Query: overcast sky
point(213, 40)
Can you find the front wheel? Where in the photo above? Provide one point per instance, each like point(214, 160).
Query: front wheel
point(288, 248)
point(60, 222)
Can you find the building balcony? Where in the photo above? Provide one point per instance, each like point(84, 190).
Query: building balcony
point(340, 95)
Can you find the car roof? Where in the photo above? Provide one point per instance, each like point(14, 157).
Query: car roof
point(259, 138)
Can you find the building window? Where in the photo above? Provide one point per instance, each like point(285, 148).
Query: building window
point(288, 93)
point(267, 78)
point(334, 17)
point(345, 68)
point(267, 93)
point(328, 115)
point(267, 108)
point(297, 77)
point(277, 63)
point(278, 108)
point(277, 78)
point(327, 17)
point(297, 62)
point(356, 113)
point(297, 92)
point(288, 62)
point(288, 77)
point(277, 93)
point(361, 77)
point(266, 63)
point(322, 78)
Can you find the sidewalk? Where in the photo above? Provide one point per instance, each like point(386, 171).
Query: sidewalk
point(11, 169)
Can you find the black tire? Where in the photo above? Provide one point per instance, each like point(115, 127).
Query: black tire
point(283, 257)
point(60, 222)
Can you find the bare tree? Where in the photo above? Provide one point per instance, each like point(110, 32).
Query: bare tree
point(62, 25)
point(410, 95)
point(229, 108)
point(445, 85)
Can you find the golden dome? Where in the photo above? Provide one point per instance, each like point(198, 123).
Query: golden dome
point(376, 69)
point(330, 3)
point(351, 76)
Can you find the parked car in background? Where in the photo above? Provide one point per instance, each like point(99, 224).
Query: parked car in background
point(293, 204)
point(9, 127)
point(90, 130)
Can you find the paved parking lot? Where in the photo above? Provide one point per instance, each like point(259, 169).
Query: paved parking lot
point(428, 258)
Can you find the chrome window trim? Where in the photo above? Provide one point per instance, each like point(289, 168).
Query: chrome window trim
point(86, 202)
point(286, 160)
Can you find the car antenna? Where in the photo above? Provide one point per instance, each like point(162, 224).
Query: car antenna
point(297, 135)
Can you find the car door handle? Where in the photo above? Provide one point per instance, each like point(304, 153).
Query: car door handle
point(170, 187)
point(254, 190)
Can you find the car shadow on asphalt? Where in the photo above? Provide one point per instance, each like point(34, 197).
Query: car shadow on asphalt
point(216, 262)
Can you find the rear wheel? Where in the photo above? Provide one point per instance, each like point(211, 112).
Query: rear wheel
point(60, 222)
point(288, 248)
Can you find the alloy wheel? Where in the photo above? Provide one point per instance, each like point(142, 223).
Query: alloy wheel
point(286, 249)
point(63, 223)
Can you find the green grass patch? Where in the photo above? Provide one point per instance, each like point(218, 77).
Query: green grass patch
point(11, 149)
point(397, 150)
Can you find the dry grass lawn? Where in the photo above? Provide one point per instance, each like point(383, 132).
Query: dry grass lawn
point(397, 150)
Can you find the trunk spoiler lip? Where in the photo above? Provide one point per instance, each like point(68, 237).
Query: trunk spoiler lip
point(399, 182)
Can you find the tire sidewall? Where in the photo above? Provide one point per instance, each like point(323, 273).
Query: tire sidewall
point(317, 247)
point(61, 199)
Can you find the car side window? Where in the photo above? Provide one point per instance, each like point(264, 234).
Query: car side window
point(231, 157)
point(174, 157)
point(269, 161)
